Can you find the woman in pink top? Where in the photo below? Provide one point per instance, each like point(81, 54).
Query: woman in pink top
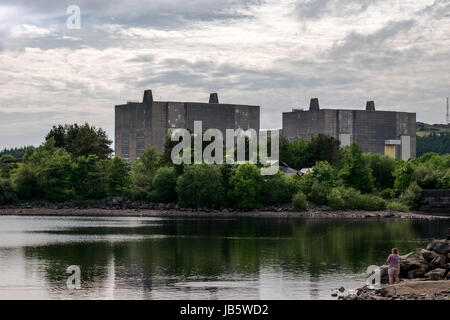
point(394, 266)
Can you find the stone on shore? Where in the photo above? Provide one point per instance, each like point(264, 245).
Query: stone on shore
point(440, 246)
point(436, 274)
point(412, 261)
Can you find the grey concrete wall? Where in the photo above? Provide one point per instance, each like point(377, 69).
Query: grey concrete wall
point(436, 201)
point(138, 124)
point(369, 128)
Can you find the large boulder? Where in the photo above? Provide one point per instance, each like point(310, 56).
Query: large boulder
point(440, 246)
point(428, 254)
point(439, 261)
point(435, 274)
point(417, 273)
point(412, 261)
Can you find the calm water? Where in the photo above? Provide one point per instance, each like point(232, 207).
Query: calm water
point(158, 258)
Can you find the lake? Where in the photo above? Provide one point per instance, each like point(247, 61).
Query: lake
point(198, 258)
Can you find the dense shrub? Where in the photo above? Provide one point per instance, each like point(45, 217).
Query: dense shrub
point(371, 202)
point(335, 200)
point(425, 177)
point(200, 186)
point(348, 198)
point(299, 202)
point(164, 185)
point(444, 180)
point(411, 196)
point(397, 206)
point(322, 173)
point(388, 193)
point(319, 194)
point(246, 187)
point(278, 189)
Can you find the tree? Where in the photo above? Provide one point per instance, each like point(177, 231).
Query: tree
point(25, 182)
point(88, 178)
point(278, 189)
point(7, 194)
point(164, 185)
point(383, 168)
point(53, 167)
point(7, 164)
point(295, 154)
point(200, 186)
point(151, 159)
point(356, 172)
point(118, 179)
point(246, 187)
point(142, 172)
point(81, 140)
point(324, 148)
point(17, 153)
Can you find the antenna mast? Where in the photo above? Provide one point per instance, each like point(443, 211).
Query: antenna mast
point(448, 116)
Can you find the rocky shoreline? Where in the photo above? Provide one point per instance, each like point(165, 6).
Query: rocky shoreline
point(127, 207)
point(424, 276)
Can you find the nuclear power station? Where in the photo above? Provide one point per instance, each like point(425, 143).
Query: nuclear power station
point(383, 132)
point(139, 125)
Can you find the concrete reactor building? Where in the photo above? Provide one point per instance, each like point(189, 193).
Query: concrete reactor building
point(139, 125)
point(383, 132)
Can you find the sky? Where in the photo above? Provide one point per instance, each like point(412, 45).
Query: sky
point(274, 53)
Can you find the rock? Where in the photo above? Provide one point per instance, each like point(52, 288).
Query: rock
point(341, 289)
point(441, 246)
point(438, 261)
point(435, 274)
point(334, 294)
point(412, 261)
point(417, 273)
point(384, 274)
point(427, 254)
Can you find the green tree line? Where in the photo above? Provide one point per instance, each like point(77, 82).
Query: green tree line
point(438, 143)
point(75, 163)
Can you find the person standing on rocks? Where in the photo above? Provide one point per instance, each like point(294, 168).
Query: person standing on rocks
point(394, 266)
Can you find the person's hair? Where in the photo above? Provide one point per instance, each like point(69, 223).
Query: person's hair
point(395, 250)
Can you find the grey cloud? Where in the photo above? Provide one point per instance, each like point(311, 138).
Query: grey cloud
point(439, 9)
point(142, 59)
point(356, 43)
point(317, 9)
point(154, 12)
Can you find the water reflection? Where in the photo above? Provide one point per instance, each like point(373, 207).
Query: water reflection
point(152, 258)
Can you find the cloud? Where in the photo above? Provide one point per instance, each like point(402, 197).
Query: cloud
point(317, 9)
point(29, 31)
point(356, 43)
point(251, 52)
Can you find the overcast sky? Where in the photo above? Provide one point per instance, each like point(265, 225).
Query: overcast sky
point(275, 53)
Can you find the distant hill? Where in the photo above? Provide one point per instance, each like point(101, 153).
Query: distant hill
point(433, 138)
